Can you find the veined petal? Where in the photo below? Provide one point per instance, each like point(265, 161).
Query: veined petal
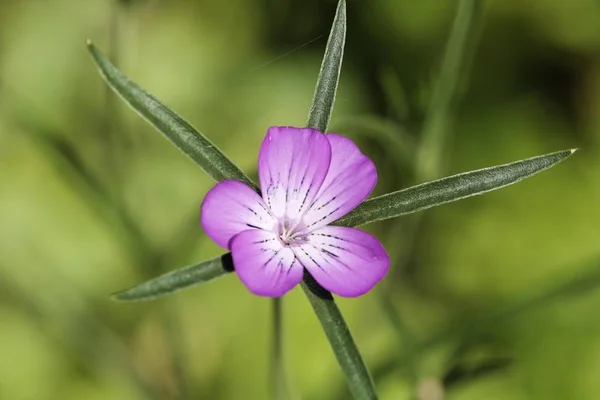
point(264, 264)
point(345, 261)
point(231, 207)
point(292, 166)
point(350, 179)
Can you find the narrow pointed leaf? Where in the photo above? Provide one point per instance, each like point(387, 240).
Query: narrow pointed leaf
point(178, 279)
point(184, 136)
point(320, 113)
point(449, 189)
point(392, 205)
point(329, 75)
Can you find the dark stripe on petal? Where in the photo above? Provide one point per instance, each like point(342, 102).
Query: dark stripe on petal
point(290, 267)
point(264, 241)
point(322, 219)
point(305, 197)
point(329, 253)
point(313, 260)
point(326, 204)
point(272, 257)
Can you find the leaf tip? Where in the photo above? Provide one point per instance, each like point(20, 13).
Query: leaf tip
point(574, 150)
point(341, 10)
point(114, 297)
point(119, 296)
point(91, 47)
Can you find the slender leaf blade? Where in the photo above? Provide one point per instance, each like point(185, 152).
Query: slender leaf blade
point(329, 74)
point(183, 135)
point(449, 189)
point(392, 205)
point(178, 279)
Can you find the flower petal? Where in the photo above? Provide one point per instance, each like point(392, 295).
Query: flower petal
point(292, 166)
point(232, 207)
point(264, 264)
point(345, 261)
point(351, 178)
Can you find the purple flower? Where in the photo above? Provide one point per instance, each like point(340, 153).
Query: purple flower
point(308, 181)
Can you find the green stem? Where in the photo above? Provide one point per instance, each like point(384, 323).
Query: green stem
point(436, 128)
point(455, 65)
point(357, 375)
point(278, 381)
point(112, 126)
point(406, 339)
point(354, 369)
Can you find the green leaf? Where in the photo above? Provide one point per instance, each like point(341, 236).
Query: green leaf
point(319, 115)
point(449, 189)
point(391, 205)
point(176, 129)
point(178, 279)
point(329, 75)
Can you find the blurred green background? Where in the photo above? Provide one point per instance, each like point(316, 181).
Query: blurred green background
point(493, 297)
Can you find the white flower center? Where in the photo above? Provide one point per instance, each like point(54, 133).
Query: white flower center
point(288, 233)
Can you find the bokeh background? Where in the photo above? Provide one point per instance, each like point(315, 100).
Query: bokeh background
point(493, 297)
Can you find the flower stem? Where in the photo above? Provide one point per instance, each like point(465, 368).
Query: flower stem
point(112, 126)
point(278, 382)
point(357, 375)
point(454, 69)
point(464, 35)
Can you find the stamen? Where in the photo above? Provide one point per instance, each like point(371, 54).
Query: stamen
point(288, 233)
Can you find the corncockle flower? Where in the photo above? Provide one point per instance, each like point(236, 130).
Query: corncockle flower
point(308, 180)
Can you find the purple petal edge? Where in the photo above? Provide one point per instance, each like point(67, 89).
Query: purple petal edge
point(346, 261)
point(231, 207)
point(350, 179)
